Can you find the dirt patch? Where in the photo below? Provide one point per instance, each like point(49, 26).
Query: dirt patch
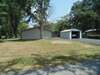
point(88, 46)
point(61, 42)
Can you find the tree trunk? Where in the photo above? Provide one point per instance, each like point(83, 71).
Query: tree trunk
point(41, 31)
point(21, 34)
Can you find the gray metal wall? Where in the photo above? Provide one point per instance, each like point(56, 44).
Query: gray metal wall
point(65, 35)
point(35, 34)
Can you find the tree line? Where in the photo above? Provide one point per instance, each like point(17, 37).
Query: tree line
point(12, 13)
point(84, 15)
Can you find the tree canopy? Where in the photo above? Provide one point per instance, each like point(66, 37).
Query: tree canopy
point(15, 10)
point(85, 14)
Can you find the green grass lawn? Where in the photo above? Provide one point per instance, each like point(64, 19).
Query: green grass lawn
point(45, 50)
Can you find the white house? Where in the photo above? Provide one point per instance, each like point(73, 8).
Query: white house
point(71, 34)
point(34, 33)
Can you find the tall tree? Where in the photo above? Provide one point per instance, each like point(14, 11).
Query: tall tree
point(22, 26)
point(62, 24)
point(16, 10)
point(4, 29)
point(40, 14)
point(84, 16)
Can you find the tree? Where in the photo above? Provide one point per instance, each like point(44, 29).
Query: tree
point(16, 10)
point(22, 26)
point(40, 14)
point(4, 29)
point(62, 24)
point(83, 16)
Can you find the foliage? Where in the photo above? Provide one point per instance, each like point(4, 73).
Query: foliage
point(61, 25)
point(84, 15)
point(22, 26)
point(15, 10)
point(40, 14)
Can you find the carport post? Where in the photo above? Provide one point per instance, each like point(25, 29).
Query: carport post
point(70, 37)
point(80, 34)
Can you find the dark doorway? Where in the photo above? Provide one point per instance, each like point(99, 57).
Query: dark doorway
point(75, 34)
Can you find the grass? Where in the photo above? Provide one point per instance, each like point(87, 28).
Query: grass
point(45, 50)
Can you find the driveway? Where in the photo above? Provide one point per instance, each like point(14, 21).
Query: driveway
point(83, 40)
point(90, 41)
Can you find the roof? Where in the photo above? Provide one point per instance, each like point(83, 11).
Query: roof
point(70, 30)
point(37, 27)
point(90, 30)
point(31, 28)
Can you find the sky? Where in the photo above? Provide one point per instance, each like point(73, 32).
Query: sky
point(59, 8)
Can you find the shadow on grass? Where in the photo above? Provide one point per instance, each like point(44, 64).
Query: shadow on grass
point(61, 59)
point(6, 67)
point(1, 41)
point(45, 65)
point(16, 40)
point(21, 40)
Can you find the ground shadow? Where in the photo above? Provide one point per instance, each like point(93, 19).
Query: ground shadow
point(56, 65)
point(17, 40)
point(1, 41)
point(22, 40)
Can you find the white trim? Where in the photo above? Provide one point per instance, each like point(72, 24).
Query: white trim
point(70, 30)
point(70, 35)
point(80, 34)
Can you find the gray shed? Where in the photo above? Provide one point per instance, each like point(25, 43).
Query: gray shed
point(34, 33)
point(71, 34)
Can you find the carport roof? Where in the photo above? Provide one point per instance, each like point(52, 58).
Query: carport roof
point(70, 30)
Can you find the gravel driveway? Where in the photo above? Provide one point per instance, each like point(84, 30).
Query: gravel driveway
point(84, 40)
point(90, 41)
